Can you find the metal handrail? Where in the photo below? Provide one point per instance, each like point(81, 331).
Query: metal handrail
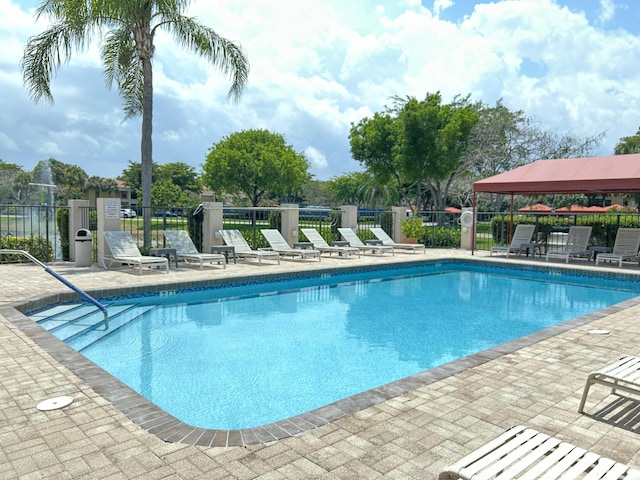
point(51, 272)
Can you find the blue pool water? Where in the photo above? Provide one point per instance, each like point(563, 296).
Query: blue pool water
point(245, 356)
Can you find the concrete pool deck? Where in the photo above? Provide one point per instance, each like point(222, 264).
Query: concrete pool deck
point(412, 435)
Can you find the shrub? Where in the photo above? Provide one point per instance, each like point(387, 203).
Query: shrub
point(39, 247)
point(604, 230)
point(275, 220)
point(386, 222)
point(440, 237)
point(62, 219)
point(336, 222)
point(412, 227)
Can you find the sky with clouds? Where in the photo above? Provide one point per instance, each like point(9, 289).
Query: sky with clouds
point(318, 66)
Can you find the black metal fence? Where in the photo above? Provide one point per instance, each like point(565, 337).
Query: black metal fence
point(43, 230)
point(37, 229)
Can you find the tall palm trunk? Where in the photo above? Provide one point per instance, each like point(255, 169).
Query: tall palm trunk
point(146, 147)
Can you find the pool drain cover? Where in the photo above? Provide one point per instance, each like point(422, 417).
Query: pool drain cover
point(54, 403)
point(598, 331)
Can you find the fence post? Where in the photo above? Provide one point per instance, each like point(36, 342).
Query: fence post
point(77, 208)
point(349, 217)
point(290, 217)
point(211, 223)
point(108, 217)
point(399, 214)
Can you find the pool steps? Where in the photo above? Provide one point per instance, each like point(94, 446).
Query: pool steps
point(81, 325)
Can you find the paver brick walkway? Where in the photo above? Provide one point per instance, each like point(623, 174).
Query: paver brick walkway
point(410, 436)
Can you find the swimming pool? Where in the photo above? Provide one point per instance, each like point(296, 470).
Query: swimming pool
point(325, 337)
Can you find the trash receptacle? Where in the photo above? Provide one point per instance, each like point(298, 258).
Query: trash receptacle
point(84, 248)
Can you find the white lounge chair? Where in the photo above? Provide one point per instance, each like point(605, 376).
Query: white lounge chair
point(354, 241)
point(387, 240)
point(625, 247)
point(235, 239)
point(321, 244)
point(577, 244)
point(521, 236)
point(187, 251)
point(623, 374)
point(522, 452)
point(123, 249)
point(280, 245)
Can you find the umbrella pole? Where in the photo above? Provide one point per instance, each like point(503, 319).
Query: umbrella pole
point(473, 223)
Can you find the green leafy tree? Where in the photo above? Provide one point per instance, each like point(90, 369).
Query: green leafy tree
point(132, 177)
point(315, 192)
point(433, 139)
point(255, 163)
point(628, 144)
point(101, 185)
point(503, 140)
point(415, 144)
point(69, 180)
point(128, 28)
point(165, 193)
point(180, 174)
point(345, 189)
point(362, 189)
point(373, 143)
point(22, 190)
point(8, 172)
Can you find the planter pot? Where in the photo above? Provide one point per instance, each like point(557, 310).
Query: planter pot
point(410, 240)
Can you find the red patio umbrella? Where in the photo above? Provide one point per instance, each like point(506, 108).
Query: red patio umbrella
point(452, 210)
point(538, 207)
point(580, 209)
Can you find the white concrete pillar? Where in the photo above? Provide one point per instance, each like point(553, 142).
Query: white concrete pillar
point(78, 210)
point(399, 214)
point(290, 217)
point(349, 217)
point(211, 223)
point(108, 220)
point(467, 228)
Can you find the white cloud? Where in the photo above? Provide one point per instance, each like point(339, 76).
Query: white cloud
point(48, 149)
point(7, 143)
point(607, 11)
point(316, 158)
point(440, 6)
point(318, 66)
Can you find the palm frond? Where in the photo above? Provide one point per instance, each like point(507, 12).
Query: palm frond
point(223, 54)
point(122, 66)
point(43, 55)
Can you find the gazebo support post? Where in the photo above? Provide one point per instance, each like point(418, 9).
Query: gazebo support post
point(473, 223)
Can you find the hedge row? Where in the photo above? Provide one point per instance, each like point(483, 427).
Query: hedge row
point(604, 230)
point(38, 247)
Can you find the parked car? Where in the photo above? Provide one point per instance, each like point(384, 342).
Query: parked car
point(160, 213)
point(127, 213)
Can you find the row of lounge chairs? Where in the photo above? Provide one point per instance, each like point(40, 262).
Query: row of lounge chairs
point(626, 246)
point(124, 250)
point(525, 453)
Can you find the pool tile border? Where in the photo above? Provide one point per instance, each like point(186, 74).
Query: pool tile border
point(168, 428)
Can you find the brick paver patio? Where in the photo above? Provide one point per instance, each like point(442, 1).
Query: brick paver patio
point(412, 435)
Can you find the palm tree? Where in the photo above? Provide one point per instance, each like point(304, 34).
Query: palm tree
point(128, 28)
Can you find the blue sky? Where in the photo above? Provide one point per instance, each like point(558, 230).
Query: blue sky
point(319, 65)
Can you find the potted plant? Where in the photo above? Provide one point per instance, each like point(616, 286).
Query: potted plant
point(412, 229)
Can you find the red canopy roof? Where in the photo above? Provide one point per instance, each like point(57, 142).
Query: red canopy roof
point(612, 174)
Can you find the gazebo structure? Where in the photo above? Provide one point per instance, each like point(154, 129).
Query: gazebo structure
point(588, 175)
